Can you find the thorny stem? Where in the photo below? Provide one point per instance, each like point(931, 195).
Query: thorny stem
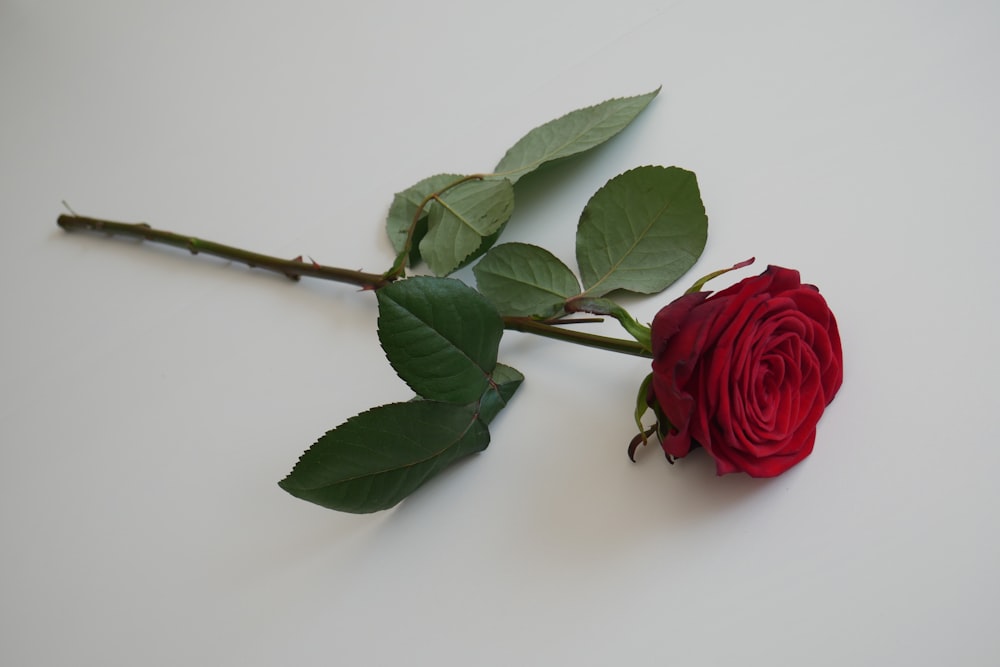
point(291, 268)
point(296, 268)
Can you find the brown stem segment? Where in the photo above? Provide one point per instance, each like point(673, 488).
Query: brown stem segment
point(296, 268)
point(291, 268)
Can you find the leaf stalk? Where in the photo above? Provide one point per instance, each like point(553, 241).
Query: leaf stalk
point(539, 328)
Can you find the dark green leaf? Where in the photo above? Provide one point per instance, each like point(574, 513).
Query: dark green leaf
point(576, 132)
point(506, 381)
point(404, 207)
point(440, 335)
point(641, 231)
point(461, 218)
point(374, 460)
point(525, 280)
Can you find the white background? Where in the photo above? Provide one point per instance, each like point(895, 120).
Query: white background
point(152, 400)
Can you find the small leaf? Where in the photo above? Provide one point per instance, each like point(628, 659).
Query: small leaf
point(440, 335)
point(374, 460)
point(506, 381)
point(404, 207)
point(461, 218)
point(641, 231)
point(524, 280)
point(576, 132)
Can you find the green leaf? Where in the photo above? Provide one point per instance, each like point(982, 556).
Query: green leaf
point(524, 280)
point(404, 207)
point(506, 381)
point(374, 460)
point(641, 231)
point(576, 132)
point(440, 335)
point(461, 218)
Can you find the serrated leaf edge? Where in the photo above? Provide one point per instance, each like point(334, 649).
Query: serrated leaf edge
point(474, 417)
point(589, 290)
point(527, 169)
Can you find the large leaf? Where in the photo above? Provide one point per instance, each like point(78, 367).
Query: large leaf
point(404, 208)
point(461, 218)
point(525, 280)
point(641, 231)
point(374, 460)
point(576, 132)
point(505, 382)
point(440, 335)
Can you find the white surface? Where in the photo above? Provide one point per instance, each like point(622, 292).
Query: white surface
point(152, 400)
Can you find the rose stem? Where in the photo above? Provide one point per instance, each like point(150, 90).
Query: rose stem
point(539, 328)
point(296, 268)
point(291, 268)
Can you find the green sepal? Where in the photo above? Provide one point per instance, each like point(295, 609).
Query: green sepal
point(642, 403)
point(601, 306)
point(715, 274)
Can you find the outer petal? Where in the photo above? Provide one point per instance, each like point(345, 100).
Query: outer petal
point(675, 351)
point(668, 321)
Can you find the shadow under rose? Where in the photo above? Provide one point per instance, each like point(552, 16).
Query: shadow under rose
point(692, 484)
point(587, 509)
point(643, 501)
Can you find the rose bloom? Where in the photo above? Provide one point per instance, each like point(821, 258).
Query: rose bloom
point(746, 372)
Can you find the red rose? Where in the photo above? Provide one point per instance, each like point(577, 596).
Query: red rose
point(746, 373)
